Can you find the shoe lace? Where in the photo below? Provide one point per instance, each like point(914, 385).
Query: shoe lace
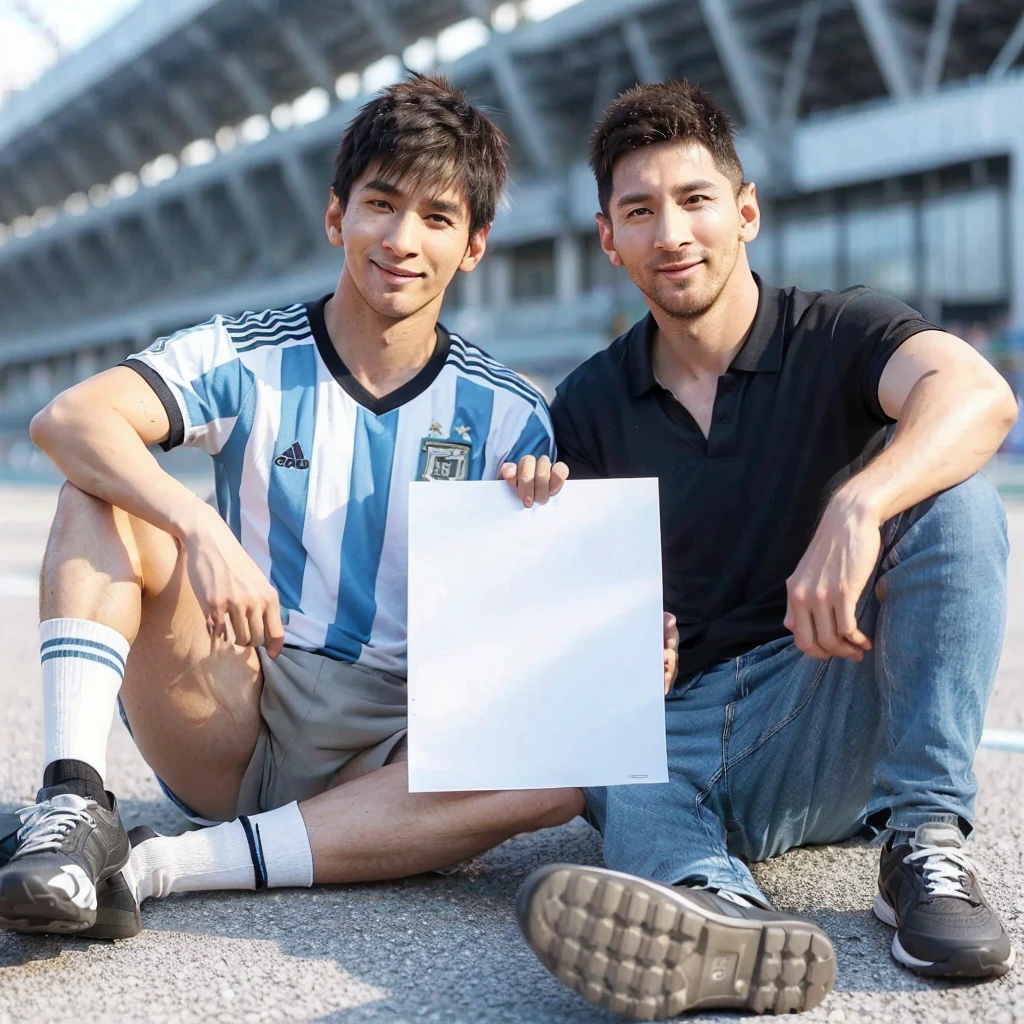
point(944, 870)
point(45, 825)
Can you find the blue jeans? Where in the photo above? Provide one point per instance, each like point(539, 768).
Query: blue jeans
point(774, 749)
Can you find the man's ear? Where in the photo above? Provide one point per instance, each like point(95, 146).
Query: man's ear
point(604, 229)
point(332, 221)
point(750, 212)
point(476, 249)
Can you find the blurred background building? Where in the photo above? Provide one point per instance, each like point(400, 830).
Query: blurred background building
point(178, 163)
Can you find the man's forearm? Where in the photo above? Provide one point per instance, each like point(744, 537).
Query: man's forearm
point(948, 429)
point(101, 454)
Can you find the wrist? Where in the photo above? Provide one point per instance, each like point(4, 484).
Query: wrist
point(854, 502)
point(194, 521)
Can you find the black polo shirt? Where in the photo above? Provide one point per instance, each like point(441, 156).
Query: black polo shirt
point(795, 414)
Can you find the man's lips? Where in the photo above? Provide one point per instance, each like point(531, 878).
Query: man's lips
point(396, 272)
point(678, 270)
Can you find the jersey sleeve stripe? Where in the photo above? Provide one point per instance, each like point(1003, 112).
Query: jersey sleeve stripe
point(478, 356)
point(167, 398)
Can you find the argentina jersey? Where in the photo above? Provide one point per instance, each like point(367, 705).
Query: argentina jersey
point(312, 471)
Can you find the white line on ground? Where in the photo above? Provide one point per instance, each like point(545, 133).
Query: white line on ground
point(18, 586)
point(994, 739)
point(1003, 739)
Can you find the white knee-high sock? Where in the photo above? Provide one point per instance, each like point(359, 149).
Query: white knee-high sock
point(269, 849)
point(83, 666)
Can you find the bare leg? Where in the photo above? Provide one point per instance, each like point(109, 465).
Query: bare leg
point(193, 703)
point(373, 828)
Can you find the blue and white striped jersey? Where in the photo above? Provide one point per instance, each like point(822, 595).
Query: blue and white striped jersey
point(313, 472)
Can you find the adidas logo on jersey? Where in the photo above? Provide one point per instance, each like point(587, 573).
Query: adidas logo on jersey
point(292, 458)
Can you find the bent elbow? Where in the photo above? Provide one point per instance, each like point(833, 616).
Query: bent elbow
point(1005, 405)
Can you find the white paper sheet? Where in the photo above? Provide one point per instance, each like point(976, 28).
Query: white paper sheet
point(535, 637)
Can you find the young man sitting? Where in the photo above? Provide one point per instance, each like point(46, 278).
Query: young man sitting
point(258, 652)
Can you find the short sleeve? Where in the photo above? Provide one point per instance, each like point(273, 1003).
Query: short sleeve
point(197, 375)
point(868, 329)
point(536, 438)
point(571, 449)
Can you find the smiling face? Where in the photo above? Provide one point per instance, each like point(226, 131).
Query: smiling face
point(677, 225)
point(403, 242)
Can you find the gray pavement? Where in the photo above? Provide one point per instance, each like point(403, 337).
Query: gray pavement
point(437, 949)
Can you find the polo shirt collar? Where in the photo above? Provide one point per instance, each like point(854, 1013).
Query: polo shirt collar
point(761, 352)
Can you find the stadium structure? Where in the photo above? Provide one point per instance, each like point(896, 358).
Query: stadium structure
point(179, 164)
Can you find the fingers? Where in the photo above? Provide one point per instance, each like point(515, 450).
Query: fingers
point(559, 474)
point(830, 640)
point(671, 650)
point(508, 473)
point(535, 480)
point(254, 620)
point(823, 629)
point(239, 620)
point(273, 628)
point(527, 475)
point(671, 632)
point(846, 626)
point(800, 623)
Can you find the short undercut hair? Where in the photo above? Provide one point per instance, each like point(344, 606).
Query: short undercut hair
point(662, 112)
point(425, 131)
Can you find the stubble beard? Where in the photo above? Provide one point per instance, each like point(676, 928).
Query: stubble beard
point(684, 302)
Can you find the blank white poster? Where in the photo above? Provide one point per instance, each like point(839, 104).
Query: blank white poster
point(535, 637)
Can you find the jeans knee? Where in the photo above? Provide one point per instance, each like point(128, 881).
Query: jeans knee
point(969, 515)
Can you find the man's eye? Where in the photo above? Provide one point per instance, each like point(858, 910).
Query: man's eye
point(639, 211)
point(380, 204)
point(698, 199)
point(441, 219)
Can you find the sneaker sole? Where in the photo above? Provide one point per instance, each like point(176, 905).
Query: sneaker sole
point(30, 906)
point(117, 913)
point(647, 952)
point(964, 963)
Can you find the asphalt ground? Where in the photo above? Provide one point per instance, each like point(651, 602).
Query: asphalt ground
point(433, 948)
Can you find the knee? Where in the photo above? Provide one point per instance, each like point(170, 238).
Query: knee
point(85, 526)
point(975, 511)
point(968, 519)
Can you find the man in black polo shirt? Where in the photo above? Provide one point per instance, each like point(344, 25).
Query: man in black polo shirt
point(840, 602)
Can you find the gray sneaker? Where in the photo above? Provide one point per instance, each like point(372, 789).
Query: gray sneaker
point(650, 951)
point(928, 891)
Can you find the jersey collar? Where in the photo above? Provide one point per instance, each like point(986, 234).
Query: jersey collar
point(341, 373)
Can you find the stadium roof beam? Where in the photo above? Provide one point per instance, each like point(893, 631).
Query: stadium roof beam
point(304, 191)
point(515, 94)
point(379, 21)
point(308, 55)
point(739, 62)
point(795, 78)
point(116, 136)
point(256, 226)
point(251, 90)
point(78, 175)
point(1010, 51)
point(882, 29)
point(194, 203)
point(938, 44)
point(638, 44)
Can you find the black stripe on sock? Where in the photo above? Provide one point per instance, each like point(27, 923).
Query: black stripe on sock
point(256, 853)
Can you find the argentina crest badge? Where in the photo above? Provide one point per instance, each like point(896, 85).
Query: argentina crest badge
point(444, 459)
